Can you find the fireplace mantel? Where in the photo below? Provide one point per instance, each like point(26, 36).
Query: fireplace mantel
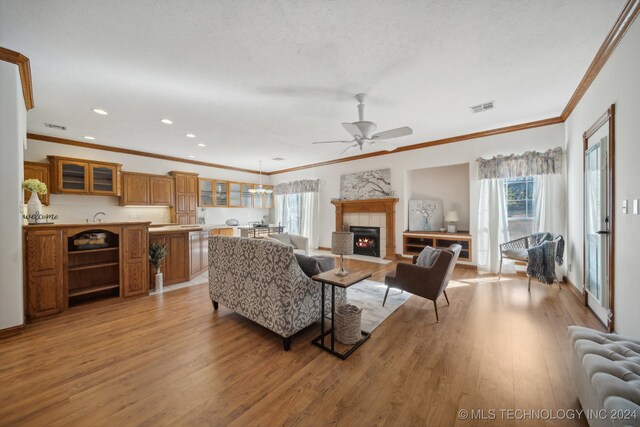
point(386, 206)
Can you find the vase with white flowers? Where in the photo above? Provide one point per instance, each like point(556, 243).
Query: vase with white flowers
point(34, 207)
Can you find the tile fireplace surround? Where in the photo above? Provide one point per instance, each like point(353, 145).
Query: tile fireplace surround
point(373, 212)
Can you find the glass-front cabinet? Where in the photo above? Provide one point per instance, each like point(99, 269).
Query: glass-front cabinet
point(235, 194)
point(103, 179)
point(79, 176)
point(268, 198)
point(222, 194)
point(73, 177)
point(206, 193)
point(247, 197)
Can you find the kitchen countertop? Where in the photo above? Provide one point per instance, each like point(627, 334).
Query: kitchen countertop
point(85, 224)
point(170, 229)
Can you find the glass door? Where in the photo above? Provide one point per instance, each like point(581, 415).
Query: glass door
point(222, 194)
point(235, 197)
point(598, 224)
point(74, 177)
point(206, 192)
point(103, 179)
point(247, 197)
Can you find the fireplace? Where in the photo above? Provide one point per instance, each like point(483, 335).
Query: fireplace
point(366, 240)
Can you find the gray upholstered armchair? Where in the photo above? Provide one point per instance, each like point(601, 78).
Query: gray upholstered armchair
point(427, 282)
point(518, 250)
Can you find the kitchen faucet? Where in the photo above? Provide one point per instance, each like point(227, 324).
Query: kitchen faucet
point(99, 220)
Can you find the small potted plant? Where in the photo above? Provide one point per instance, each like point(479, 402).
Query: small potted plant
point(157, 253)
point(34, 207)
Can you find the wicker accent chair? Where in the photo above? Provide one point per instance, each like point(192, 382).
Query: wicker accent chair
point(517, 250)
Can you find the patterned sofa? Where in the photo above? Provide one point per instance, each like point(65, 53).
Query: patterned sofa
point(262, 281)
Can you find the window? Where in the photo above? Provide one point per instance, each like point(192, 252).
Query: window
point(520, 195)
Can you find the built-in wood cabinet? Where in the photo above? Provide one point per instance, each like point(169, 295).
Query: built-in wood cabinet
point(80, 176)
point(186, 198)
point(222, 232)
point(39, 171)
point(221, 195)
point(199, 252)
point(63, 269)
point(139, 189)
point(206, 192)
point(247, 197)
point(175, 268)
point(415, 241)
point(44, 267)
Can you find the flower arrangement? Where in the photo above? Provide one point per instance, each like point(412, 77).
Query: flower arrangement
point(35, 186)
point(157, 252)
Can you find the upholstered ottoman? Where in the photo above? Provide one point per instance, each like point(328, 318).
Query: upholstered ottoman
point(606, 372)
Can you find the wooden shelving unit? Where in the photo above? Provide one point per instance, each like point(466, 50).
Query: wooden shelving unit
point(93, 273)
point(413, 242)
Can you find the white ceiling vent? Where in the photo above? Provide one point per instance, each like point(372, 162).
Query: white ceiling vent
point(52, 126)
point(278, 159)
point(482, 107)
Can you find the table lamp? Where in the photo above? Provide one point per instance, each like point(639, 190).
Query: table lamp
point(342, 244)
point(451, 218)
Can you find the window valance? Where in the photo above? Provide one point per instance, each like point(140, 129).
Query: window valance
point(301, 186)
point(528, 164)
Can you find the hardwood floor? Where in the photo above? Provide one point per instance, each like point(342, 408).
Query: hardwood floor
point(169, 359)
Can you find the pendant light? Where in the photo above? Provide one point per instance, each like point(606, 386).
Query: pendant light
point(260, 189)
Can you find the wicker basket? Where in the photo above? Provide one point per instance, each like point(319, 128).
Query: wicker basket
point(348, 324)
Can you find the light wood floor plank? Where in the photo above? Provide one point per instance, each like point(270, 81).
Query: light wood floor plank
point(170, 360)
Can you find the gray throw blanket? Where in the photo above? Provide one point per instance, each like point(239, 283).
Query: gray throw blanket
point(537, 238)
point(542, 262)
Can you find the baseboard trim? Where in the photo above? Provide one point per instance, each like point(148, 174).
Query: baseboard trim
point(14, 330)
point(579, 294)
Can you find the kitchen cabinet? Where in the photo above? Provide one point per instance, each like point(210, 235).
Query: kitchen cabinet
point(199, 252)
point(161, 193)
point(80, 176)
point(247, 197)
point(222, 232)
point(206, 192)
point(235, 194)
point(39, 171)
point(135, 189)
point(67, 264)
point(186, 198)
point(221, 194)
point(139, 189)
point(44, 272)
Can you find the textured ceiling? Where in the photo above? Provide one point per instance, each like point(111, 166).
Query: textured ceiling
point(260, 79)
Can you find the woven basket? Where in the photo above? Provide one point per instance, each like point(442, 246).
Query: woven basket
point(348, 324)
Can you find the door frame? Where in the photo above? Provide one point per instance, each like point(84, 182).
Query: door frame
point(608, 116)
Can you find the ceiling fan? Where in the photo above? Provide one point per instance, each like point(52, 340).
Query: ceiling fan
point(362, 132)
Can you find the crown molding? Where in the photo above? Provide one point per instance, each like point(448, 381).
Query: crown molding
point(94, 146)
point(465, 137)
point(25, 73)
point(620, 27)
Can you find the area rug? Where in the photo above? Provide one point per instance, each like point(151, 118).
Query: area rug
point(368, 295)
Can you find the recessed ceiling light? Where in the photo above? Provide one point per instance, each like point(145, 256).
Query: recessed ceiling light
point(166, 121)
point(88, 137)
point(202, 145)
point(99, 111)
point(190, 135)
point(192, 157)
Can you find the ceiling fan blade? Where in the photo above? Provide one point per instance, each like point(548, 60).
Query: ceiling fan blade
point(385, 145)
point(328, 142)
point(393, 133)
point(352, 129)
point(348, 148)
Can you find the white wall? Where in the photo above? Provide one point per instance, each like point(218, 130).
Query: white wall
point(617, 83)
point(13, 128)
point(447, 183)
point(539, 139)
point(74, 208)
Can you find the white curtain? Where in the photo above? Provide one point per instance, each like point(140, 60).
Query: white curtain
point(492, 224)
point(551, 204)
point(299, 214)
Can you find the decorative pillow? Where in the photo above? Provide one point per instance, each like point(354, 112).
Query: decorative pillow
point(283, 238)
point(271, 239)
point(428, 256)
point(309, 265)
